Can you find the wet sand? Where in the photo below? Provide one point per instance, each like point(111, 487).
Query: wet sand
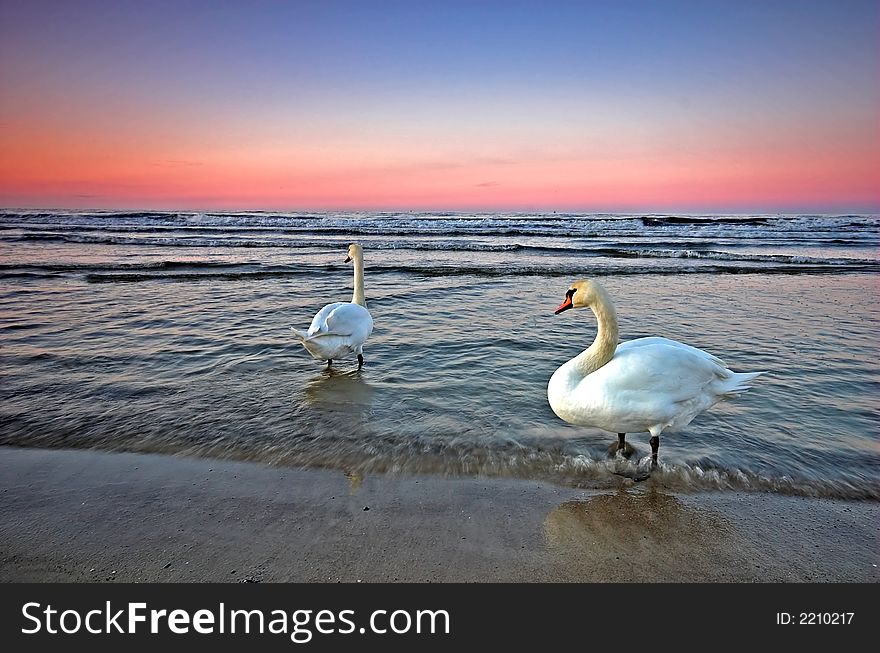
point(84, 516)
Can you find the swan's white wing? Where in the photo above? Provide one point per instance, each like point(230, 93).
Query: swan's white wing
point(673, 373)
point(348, 319)
point(341, 319)
point(319, 322)
point(351, 321)
point(655, 340)
point(337, 329)
point(652, 386)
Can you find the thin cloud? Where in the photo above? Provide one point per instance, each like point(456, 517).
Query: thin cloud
point(496, 161)
point(177, 163)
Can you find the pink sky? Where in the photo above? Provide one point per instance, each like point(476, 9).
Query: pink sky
point(108, 118)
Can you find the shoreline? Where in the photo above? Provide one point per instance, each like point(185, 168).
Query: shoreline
point(89, 516)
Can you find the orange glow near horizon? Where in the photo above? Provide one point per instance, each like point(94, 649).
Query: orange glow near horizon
point(41, 168)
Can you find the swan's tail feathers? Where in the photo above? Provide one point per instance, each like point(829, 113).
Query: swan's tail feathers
point(299, 335)
point(738, 382)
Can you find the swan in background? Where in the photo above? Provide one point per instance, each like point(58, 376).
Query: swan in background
point(342, 327)
point(648, 384)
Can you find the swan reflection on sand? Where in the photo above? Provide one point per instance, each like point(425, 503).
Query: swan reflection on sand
point(630, 536)
point(355, 480)
point(342, 401)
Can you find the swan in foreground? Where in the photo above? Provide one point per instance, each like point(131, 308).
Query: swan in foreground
point(342, 327)
point(648, 384)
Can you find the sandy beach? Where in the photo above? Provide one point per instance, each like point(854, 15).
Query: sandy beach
point(85, 516)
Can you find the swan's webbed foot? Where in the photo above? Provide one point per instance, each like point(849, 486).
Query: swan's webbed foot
point(655, 447)
point(621, 447)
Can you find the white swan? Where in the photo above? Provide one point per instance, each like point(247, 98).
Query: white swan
point(648, 384)
point(342, 327)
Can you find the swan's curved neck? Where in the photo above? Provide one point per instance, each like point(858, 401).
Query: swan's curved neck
point(603, 347)
point(358, 296)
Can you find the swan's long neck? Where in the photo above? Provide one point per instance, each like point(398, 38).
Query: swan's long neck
point(603, 347)
point(358, 296)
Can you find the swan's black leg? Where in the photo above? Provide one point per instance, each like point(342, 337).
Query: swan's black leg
point(620, 447)
point(329, 362)
point(360, 361)
point(655, 446)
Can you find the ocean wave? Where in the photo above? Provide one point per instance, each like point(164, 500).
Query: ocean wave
point(146, 265)
point(488, 271)
point(731, 256)
point(450, 223)
point(209, 242)
point(593, 263)
point(79, 233)
point(578, 248)
point(541, 464)
point(732, 220)
point(689, 477)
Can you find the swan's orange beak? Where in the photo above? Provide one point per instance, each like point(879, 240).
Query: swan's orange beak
point(564, 306)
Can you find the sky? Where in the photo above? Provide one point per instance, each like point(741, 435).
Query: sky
point(522, 106)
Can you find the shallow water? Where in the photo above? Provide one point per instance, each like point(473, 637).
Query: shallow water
point(154, 332)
